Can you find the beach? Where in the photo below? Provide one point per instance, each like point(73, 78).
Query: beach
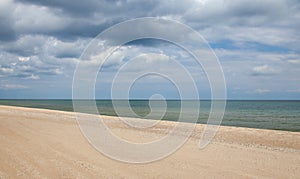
point(38, 143)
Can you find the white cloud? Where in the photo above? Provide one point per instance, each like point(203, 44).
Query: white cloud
point(294, 61)
point(5, 70)
point(64, 49)
point(12, 86)
point(33, 77)
point(31, 18)
point(24, 59)
point(262, 91)
point(293, 91)
point(264, 70)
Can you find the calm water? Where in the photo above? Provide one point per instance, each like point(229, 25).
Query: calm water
point(279, 115)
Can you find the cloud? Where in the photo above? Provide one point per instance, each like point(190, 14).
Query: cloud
point(96, 61)
point(262, 91)
point(33, 77)
point(295, 61)
point(12, 86)
point(23, 59)
point(293, 91)
point(7, 32)
point(64, 49)
point(264, 70)
point(25, 46)
point(28, 68)
point(238, 21)
point(148, 61)
point(254, 40)
point(33, 19)
point(92, 7)
point(248, 21)
point(6, 70)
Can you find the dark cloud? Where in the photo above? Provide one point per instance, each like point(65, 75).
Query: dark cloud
point(254, 8)
point(6, 31)
point(237, 13)
point(68, 55)
point(148, 42)
point(89, 8)
point(82, 29)
point(75, 6)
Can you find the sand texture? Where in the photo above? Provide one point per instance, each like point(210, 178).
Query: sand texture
point(38, 143)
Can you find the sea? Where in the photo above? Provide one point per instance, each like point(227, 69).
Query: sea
point(264, 114)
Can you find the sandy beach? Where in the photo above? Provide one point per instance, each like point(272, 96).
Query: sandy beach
point(38, 143)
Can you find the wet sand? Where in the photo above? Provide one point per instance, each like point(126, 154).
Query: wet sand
point(37, 143)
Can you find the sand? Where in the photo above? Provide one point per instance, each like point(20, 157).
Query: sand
point(38, 143)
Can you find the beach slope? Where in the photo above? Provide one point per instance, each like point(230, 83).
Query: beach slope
point(45, 143)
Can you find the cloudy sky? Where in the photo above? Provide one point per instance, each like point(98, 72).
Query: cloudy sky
point(257, 43)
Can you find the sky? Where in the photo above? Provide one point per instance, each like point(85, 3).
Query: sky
point(257, 44)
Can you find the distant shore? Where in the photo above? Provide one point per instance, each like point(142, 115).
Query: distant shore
point(49, 143)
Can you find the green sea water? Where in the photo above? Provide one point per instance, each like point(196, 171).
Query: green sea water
point(277, 115)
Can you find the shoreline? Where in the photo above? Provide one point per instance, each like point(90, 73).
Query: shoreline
point(225, 125)
point(198, 127)
point(40, 142)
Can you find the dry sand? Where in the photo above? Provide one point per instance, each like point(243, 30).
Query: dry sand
point(38, 143)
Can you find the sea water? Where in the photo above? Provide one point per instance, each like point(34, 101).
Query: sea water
point(278, 115)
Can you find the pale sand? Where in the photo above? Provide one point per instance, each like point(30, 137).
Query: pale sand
point(44, 143)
